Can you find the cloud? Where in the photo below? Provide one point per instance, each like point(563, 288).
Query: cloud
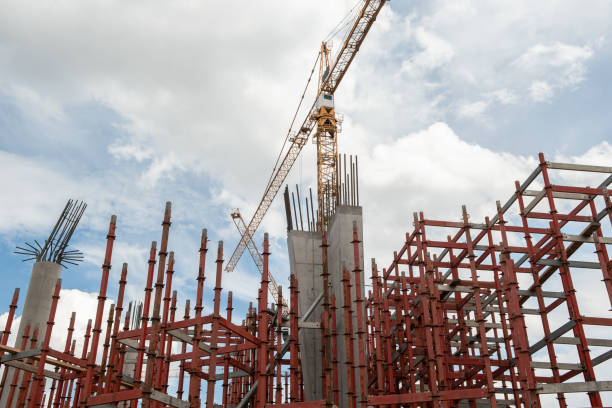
point(84, 304)
point(599, 155)
point(540, 91)
point(436, 171)
point(201, 95)
point(216, 80)
point(32, 195)
point(129, 151)
point(32, 103)
point(435, 52)
point(478, 109)
point(473, 109)
point(433, 170)
point(471, 53)
point(564, 61)
point(159, 168)
point(504, 96)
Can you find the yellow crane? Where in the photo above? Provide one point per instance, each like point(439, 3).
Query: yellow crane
point(322, 116)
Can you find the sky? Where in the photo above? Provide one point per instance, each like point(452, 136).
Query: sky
point(129, 104)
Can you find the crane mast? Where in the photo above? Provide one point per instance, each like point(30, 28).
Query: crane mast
point(327, 145)
point(327, 85)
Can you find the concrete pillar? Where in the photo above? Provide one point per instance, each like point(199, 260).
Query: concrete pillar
point(305, 259)
point(340, 254)
point(35, 311)
point(129, 364)
point(131, 354)
point(305, 262)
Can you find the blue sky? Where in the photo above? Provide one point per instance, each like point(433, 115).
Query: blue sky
point(127, 105)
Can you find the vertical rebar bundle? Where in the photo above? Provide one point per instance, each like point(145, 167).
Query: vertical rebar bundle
point(55, 248)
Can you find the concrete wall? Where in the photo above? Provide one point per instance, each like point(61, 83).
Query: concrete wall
point(340, 254)
point(38, 300)
point(35, 311)
point(305, 262)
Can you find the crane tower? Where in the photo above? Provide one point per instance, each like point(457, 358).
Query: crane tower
point(321, 116)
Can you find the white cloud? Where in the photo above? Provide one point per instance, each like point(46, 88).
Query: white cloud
point(211, 99)
point(35, 105)
point(208, 90)
point(596, 155)
point(599, 155)
point(435, 52)
point(32, 197)
point(159, 168)
point(540, 91)
point(473, 109)
point(504, 96)
point(434, 170)
point(39, 190)
point(130, 151)
point(471, 52)
point(181, 75)
point(71, 300)
point(243, 285)
point(564, 61)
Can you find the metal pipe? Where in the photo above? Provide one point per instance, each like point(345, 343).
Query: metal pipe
point(112, 383)
point(38, 384)
point(357, 179)
point(215, 327)
point(110, 240)
point(286, 345)
point(297, 190)
point(308, 215)
point(314, 227)
point(262, 331)
point(288, 208)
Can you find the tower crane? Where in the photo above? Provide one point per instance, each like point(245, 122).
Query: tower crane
point(322, 116)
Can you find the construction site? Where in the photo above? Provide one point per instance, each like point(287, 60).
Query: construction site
point(469, 313)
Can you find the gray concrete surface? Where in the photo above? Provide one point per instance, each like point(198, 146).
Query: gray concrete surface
point(340, 254)
point(305, 262)
point(35, 310)
point(38, 300)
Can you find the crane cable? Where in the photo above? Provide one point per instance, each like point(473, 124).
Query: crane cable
point(346, 20)
point(293, 120)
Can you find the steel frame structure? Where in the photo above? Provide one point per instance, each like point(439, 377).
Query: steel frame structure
point(467, 314)
point(247, 354)
point(448, 319)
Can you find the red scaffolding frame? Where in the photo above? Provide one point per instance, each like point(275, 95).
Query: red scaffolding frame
point(478, 313)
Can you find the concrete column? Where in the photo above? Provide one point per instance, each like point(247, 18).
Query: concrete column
point(129, 362)
point(305, 262)
point(340, 254)
point(35, 310)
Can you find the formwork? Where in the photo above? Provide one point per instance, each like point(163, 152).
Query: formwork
point(470, 312)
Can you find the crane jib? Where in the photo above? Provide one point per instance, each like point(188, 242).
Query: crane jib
point(350, 47)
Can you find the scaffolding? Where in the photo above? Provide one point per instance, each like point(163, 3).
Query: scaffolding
point(468, 313)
